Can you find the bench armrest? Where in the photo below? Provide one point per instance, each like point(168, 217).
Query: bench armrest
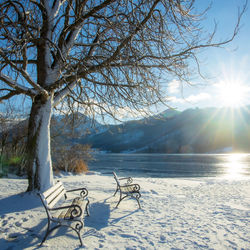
point(74, 209)
point(131, 187)
point(129, 179)
point(83, 193)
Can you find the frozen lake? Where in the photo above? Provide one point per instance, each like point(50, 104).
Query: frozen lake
point(173, 165)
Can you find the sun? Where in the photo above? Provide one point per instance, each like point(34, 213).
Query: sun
point(232, 94)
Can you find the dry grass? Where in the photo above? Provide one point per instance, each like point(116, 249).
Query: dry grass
point(76, 166)
point(79, 167)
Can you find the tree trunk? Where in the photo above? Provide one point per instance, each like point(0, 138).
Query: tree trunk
point(39, 165)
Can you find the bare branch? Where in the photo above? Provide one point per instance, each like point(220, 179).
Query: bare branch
point(9, 95)
point(69, 33)
point(129, 38)
point(64, 92)
point(24, 74)
point(109, 50)
point(17, 86)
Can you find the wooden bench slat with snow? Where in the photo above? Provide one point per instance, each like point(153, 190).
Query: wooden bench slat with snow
point(68, 215)
point(127, 189)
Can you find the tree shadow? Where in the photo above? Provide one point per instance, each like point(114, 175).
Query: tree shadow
point(26, 236)
point(19, 203)
point(32, 237)
point(29, 237)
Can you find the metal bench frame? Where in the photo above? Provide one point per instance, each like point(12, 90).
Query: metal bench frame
point(72, 214)
point(127, 189)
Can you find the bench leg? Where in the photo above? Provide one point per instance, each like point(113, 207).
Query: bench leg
point(137, 197)
point(119, 202)
point(46, 234)
point(121, 198)
point(138, 202)
point(79, 235)
point(116, 190)
point(78, 227)
point(48, 231)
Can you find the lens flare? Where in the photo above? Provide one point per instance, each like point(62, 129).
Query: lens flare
point(232, 94)
point(235, 165)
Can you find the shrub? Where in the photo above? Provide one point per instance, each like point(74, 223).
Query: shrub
point(72, 158)
point(75, 166)
point(15, 160)
point(11, 164)
point(79, 166)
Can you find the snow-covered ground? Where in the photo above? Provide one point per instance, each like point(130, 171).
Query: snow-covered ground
point(200, 213)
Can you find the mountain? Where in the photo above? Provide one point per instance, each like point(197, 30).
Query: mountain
point(69, 128)
point(190, 131)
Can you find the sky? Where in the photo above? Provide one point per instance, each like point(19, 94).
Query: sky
point(226, 70)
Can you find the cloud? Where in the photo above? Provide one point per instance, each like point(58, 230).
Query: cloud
point(174, 99)
point(192, 98)
point(198, 98)
point(173, 87)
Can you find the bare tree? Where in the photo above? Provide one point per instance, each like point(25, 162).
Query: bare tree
point(100, 54)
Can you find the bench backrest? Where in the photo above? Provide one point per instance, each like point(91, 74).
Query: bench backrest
point(52, 195)
point(116, 178)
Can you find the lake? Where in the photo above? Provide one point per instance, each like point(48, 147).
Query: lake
point(173, 165)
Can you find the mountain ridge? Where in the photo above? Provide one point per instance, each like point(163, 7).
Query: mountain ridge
point(191, 131)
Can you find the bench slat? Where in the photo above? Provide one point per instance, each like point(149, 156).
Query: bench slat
point(54, 194)
point(55, 199)
point(52, 189)
point(65, 214)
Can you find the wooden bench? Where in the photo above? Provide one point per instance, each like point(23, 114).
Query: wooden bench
point(68, 215)
point(127, 189)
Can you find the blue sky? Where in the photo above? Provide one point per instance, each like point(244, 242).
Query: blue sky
point(227, 70)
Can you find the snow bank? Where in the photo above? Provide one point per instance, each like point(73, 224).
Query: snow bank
point(175, 214)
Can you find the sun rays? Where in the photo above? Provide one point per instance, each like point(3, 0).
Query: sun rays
point(232, 94)
point(232, 88)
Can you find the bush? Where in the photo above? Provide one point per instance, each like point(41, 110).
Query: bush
point(75, 166)
point(72, 158)
point(11, 164)
point(15, 160)
point(79, 167)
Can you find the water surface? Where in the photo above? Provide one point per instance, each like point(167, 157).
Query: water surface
point(173, 165)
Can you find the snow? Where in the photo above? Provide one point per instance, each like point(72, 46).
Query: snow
point(193, 213)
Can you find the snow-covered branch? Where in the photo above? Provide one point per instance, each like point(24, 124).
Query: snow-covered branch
point(13, 84)
point(56, 6)
point(64, 92)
